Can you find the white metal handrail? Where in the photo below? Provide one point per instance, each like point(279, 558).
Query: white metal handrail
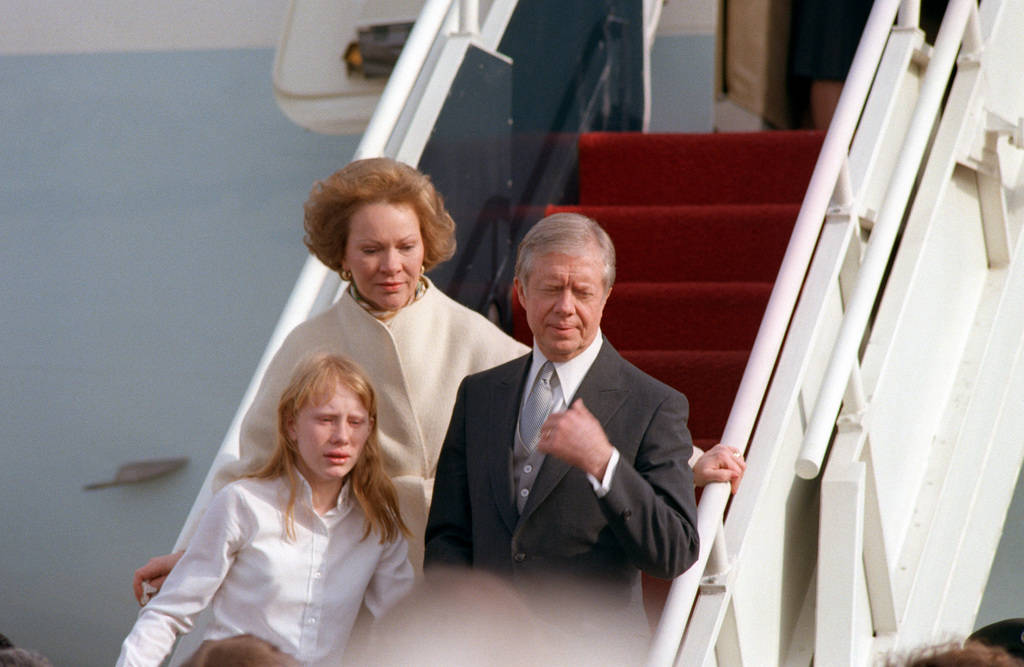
point(469, 17)
point(781, 303)
point(960, 21)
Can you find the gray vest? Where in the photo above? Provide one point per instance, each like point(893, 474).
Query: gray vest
point(525, 467)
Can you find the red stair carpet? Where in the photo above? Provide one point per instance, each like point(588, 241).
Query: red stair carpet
point(700, 223)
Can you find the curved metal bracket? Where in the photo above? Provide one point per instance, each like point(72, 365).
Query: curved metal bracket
point(140, 471)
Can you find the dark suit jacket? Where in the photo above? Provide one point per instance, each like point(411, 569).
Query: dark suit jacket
point(646, 522)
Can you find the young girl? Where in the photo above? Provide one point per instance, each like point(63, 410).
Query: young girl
point(290, 553)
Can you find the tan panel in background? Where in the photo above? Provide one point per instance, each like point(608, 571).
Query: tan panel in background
point(756, 57)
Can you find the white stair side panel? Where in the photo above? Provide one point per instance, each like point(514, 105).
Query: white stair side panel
point(771, 528)
point(801, 645)
point(924, 317)
point(1003, 24)
point(953, 466)
point(983, 468)
point(934, 319)
point(994, 493)
point(753, 526)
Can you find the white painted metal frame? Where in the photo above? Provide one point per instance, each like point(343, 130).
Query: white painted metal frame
point(955, 258)
point(761, 542)
point(961, 14)
point(926, 563)
point(870, 576)
point(831, 164)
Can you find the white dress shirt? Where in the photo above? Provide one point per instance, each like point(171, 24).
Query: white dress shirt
point(570, 376)
point(301, 595)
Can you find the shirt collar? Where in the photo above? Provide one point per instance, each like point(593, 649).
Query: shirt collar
point(306, 493)
point(570, 373)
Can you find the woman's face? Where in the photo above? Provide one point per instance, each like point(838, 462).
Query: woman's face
point(330, 438)
point(385, 254)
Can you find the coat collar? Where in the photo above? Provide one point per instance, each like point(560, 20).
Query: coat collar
point(506, 396)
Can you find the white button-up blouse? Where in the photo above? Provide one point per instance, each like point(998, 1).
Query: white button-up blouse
point(301, 595)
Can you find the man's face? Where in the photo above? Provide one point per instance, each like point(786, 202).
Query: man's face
point(564, 297)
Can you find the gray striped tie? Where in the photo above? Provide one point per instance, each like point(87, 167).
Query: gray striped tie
point(538, 406)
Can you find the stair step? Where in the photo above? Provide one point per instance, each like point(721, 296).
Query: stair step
point(685, 316)
point(733, 242)
point(709, 379)
point(656, 169)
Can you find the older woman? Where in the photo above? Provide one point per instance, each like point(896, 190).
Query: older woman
point(382, 225)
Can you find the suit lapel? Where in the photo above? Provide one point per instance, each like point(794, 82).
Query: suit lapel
point(507, 393)
point(603, 397)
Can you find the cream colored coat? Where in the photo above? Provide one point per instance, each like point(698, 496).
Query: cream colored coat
point(416, 362)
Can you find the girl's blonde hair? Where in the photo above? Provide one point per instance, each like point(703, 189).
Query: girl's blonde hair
point(314, 383)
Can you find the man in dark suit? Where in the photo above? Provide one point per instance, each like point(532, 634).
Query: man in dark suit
point(568, 464)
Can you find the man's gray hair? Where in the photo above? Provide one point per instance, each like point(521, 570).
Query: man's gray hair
point(568, 233)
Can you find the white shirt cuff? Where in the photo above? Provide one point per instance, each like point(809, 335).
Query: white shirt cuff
point(602, 488)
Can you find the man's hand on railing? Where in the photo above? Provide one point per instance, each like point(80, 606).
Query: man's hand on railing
point(719, 464)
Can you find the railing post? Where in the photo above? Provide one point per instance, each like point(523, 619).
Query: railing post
point(842, 196)
point(838, 620)
point(910, 14)
point(973, 41)
point(469, 17)
point(718, 559)
point(665, 643)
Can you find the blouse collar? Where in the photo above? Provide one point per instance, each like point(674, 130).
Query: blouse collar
point(307, 494)
point(386, 315)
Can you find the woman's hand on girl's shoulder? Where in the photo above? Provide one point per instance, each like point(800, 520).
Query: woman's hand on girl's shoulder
point(154, 573)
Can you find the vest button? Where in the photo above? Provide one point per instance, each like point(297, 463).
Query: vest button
point(519, 557)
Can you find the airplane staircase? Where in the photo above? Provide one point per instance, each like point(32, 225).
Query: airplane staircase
point(885, 452)
point(855, 326)
point(883, 456)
